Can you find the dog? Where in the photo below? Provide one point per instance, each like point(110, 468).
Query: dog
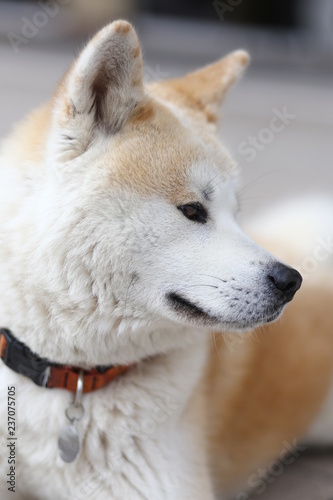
point(121, 263)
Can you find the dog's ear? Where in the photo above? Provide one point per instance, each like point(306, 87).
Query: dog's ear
point(204, 90)
point(100, 90)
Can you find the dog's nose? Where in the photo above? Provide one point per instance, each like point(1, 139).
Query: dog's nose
point(286, 279)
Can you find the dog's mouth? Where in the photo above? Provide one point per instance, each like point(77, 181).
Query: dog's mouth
point(189, 310)
point(195, 314)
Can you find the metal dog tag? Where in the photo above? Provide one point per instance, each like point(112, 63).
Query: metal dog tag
point(69, 443)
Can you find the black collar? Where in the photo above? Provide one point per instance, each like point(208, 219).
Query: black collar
point(18, 357)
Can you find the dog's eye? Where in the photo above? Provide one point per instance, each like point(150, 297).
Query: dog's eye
point(194, 211)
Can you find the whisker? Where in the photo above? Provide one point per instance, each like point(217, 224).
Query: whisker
point(189, 286)
point(213, 338)
point(214, 277)
point(210, 187)
point(213, 178)
point(249, 185)
point(221, 181)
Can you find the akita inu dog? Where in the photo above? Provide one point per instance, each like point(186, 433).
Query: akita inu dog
point(119, 257)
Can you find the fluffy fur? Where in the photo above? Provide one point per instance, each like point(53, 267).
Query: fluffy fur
point(99, 266)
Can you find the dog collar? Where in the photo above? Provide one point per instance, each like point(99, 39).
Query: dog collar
point(18, 357)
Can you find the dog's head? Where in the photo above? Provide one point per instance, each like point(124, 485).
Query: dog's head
point(136, 218)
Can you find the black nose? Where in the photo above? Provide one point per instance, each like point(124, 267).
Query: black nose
point(286, 279)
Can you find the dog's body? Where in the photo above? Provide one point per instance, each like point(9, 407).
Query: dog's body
point(119, 246)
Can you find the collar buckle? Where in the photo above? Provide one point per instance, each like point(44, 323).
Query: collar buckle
point(21, 359)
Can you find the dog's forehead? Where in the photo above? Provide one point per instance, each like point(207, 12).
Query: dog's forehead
point(158, 155)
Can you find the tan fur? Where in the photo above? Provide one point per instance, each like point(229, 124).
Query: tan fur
point(203, 91)
point(143, 113)
point(136, 52)
point(155, 123)
point(168, 180)
point(121, 27)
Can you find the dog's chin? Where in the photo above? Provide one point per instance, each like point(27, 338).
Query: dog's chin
point(251, 323)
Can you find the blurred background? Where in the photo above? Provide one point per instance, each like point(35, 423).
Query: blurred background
point(290, 83)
